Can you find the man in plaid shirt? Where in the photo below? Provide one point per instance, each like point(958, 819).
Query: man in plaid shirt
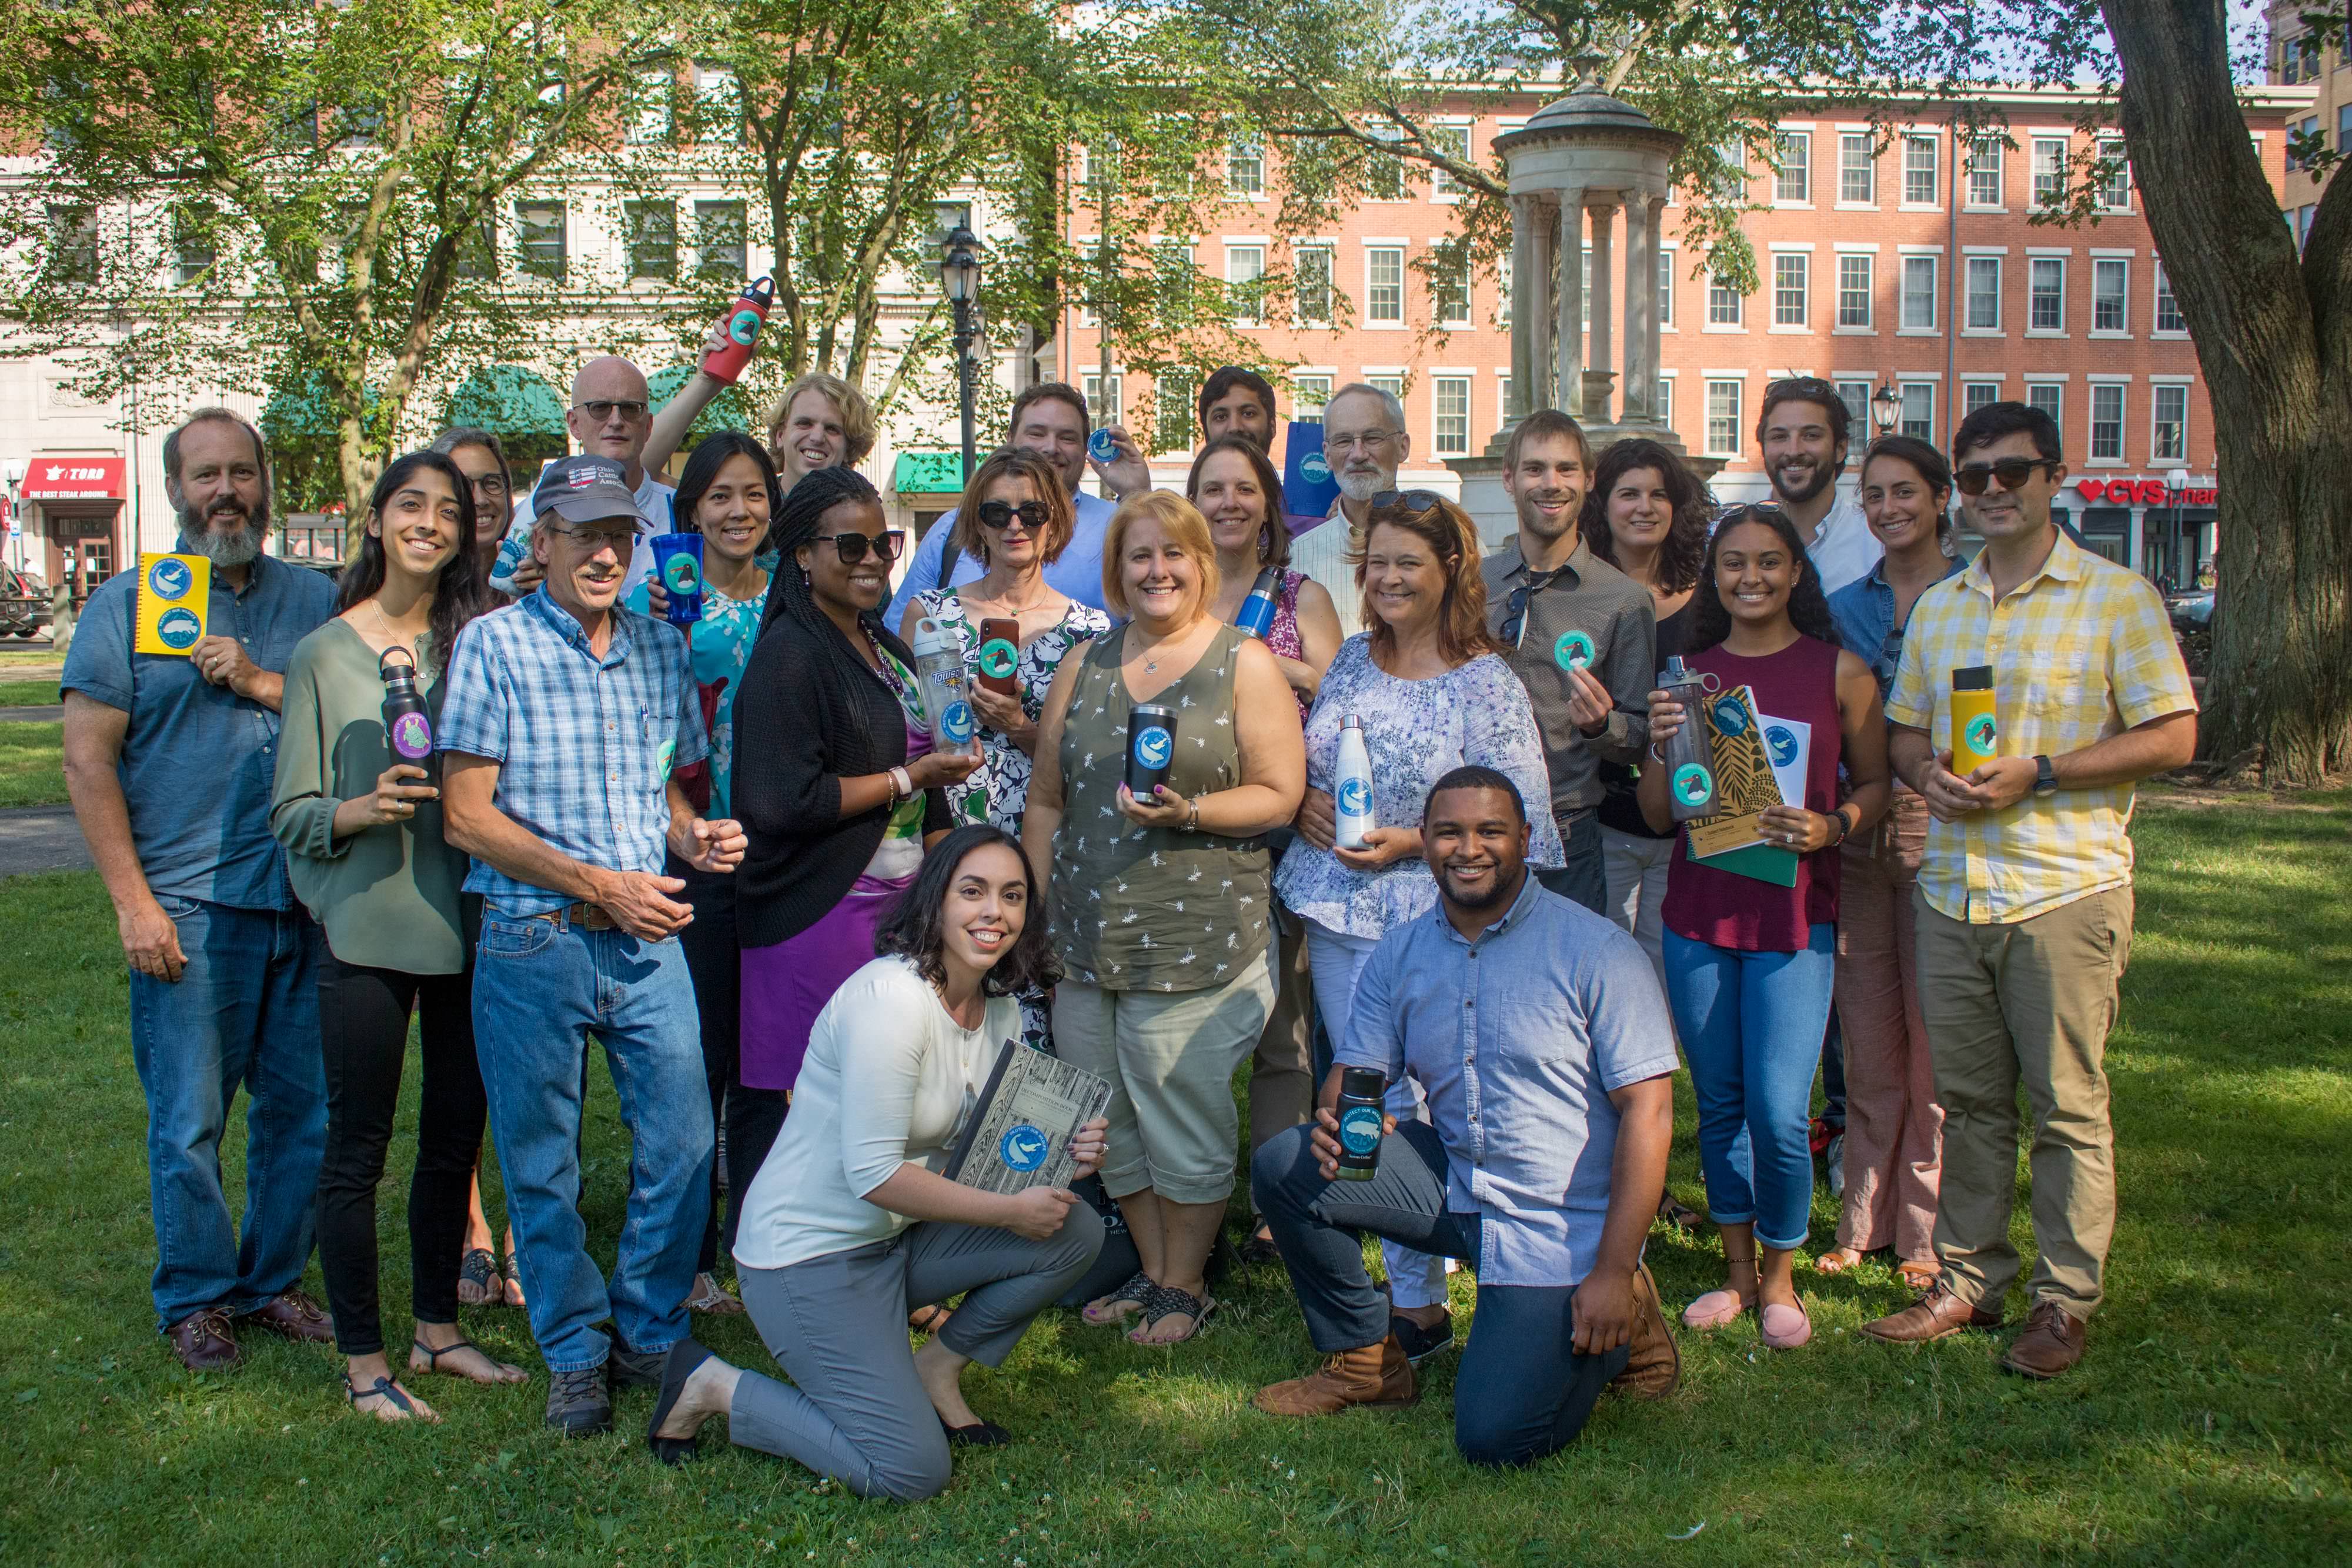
point(564, 718)
point(2025, 895)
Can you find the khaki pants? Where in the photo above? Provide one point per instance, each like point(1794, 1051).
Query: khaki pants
point(2030, 1003)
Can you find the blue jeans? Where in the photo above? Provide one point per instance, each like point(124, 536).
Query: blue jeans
point(1751, 1028)
point(244, 1011)
point(1582, 875)
point(1523, 1390)
point(541, 988)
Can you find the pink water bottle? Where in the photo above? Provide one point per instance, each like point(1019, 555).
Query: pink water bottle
point(743, 323)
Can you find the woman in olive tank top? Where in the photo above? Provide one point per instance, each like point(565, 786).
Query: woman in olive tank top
point(1161, 905)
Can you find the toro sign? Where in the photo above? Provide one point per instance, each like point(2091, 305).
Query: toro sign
point(73, 479)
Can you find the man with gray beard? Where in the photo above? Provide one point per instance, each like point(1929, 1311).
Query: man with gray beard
point(170, 760)
point(1365, 443)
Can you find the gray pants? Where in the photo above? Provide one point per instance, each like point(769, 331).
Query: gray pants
point(837, 1324)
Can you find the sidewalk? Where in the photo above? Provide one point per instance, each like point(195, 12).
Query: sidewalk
point(41, 838)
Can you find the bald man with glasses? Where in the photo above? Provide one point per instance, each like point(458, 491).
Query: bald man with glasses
point(611, 417)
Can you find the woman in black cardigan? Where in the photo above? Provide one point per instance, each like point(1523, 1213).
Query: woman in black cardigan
point(834, 783)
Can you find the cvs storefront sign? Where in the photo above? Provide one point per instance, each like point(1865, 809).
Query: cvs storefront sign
point(2141, 492)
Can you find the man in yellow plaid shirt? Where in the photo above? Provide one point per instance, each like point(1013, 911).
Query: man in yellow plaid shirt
point(2025, 896)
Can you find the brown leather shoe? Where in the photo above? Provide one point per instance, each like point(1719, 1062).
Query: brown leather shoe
point(1938, 1314)
point(1653, 1362)
point(204, 1341)
point(1378, 1376)
point(295, 1316)
point(2051, 1344)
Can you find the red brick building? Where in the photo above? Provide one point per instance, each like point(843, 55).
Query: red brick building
point(1903, 258)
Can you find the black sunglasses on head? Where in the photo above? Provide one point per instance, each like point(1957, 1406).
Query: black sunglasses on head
point(853, 547)
point(997, 515)
point(1410, 500)
point(2010, 470)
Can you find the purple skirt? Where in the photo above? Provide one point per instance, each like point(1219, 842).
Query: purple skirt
point(786, 985)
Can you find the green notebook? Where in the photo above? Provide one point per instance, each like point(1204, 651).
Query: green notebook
point(1765, 862)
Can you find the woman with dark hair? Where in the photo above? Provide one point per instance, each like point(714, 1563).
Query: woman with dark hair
point(836, 784)
point(1646, 515)
point(482, 458)
point(361, 827)
point(849, 1221)
point(728, 495)
point(1750, 958)
point(1894, 1129)
point(1235, 486)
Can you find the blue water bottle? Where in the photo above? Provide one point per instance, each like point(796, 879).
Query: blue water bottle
point(1256, 616)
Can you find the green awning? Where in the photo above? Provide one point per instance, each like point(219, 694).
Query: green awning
point(728, 411)
point(301, 411)
point(929, 473)
point(509, 401)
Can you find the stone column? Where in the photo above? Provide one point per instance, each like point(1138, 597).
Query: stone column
point(1542, 321)
point(1568, 307)
point(1527, 281)
point(1595, 402)
point(1656, 205)
point(1641, 310)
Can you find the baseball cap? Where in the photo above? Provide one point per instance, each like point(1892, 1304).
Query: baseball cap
point(583, 490)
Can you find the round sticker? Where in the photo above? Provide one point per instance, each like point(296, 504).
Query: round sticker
point(1691, 784)
point(661, 757)
point(1359, 1130)
point(412, 736)
point(744, 327)
point(1355, 798)
point(178, 628)
point(1572, 652)
point(1314, 469)
point(1024, 1147)
point(1730, 717)
point(681, 576)
point(1782, 742)
point(1982, 734)
point(1102, 446)
point(169, 578)
point(998, 658)
point(1153, 744)
point(955, 722)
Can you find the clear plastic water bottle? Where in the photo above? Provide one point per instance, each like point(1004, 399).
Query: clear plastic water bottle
point(1352, 788)
point(946, 693)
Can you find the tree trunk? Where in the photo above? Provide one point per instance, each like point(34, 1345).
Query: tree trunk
point(2273, 336)
point(360, 468)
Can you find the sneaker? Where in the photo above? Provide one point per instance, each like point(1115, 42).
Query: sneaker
point(1835, 1157)
point(626, 1368)
point(577, 1403)
point(1418, 1343)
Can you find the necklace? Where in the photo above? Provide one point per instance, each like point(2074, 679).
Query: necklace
point(391, 636)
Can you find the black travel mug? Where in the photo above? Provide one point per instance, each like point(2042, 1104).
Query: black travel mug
point(1360, 1119)
point(1150, 748)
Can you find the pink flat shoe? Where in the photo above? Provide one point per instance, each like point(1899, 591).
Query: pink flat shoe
point(1716, 1308)
point(1785, 1328)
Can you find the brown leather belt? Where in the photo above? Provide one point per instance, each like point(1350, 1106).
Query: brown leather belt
point(587, 916)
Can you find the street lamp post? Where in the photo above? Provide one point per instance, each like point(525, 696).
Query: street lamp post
point(1885, 407)
point(960, 277)
point(2176, 487)
point(13, 470)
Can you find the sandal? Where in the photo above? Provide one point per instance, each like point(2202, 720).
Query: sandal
point(979, 1435)
point(477, 1275)
point(514, 1297)
point(382, 1388)
point(931, 1319)
point(1678, 1214)
point(1259, 1250)
point(1167, 1302)
point(432, 1366)
point(1136, 1293)
point(1920, 1277)
point(1837, 1260)
point(712, 1298)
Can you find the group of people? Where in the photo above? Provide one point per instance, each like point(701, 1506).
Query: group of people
point(744, 857)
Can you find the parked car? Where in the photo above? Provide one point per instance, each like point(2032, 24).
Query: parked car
point(24, 609)
point(2190, 611)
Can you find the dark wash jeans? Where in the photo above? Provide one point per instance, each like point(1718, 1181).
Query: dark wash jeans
point(1582, 877)
point(1523, 1391)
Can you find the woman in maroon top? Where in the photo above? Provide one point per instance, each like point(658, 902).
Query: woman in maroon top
point(1749, 962)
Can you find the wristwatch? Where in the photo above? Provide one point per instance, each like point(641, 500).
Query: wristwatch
point(2045, 777)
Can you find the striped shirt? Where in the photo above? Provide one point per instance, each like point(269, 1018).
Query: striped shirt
point(585, 745)
point(2080, 651)
point(1322, 552)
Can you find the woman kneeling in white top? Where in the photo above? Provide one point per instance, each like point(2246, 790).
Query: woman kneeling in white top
point(849, 1225)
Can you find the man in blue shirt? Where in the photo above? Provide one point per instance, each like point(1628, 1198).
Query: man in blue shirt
point(170, 759)
point(1538, 1033)
point(1049, 419)
point(564, 718)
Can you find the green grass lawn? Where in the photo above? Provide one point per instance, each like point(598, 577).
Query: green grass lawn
point(2207, 1427)
point(32, 764)
point(28, 693)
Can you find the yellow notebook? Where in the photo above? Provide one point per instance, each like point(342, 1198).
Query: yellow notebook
point(174, 593)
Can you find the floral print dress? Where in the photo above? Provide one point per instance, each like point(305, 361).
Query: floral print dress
point(998, 791)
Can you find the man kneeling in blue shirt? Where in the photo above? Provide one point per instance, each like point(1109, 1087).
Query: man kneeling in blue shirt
point(1538, 1033)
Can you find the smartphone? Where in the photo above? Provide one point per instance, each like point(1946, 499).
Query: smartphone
point(1000, 654)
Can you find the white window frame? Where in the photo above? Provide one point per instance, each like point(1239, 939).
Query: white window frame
point(1785, 260)
point(1090, 387)
point(2055, 386)
point(1798, 140)
point(1669, 277)
point(1661, 407)
point(1469, 281)
point(1241, 155)
point(2036, 174)
point(1933, 326)
point(1969, 265)
point(1738, 322)
point(1331, 255)
point(1847, 137)
point(1372, 319)
point(1717, 381)
point(1316, 384)
point(1972, 384)
point(1914, 143)
point(2121, 387)
point(2119, 296)
point(1245, 313)
point(2163, 291)
point(1443, 187)
point(2109, 146)
point(1986, 157)
point(2157, 389)
point(2035, 262)
point(1442, 383)
point(1869, 292)
point(1909, 387)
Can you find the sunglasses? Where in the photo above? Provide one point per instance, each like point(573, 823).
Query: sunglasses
point(997, 515)
point(2011, 472)
point(886, 545)
point(1410, 500)
point(603, 409)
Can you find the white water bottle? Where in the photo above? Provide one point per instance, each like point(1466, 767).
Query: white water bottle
point(944, 688)
point(1352, 788)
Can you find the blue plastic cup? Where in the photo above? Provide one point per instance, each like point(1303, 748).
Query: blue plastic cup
point(678, 566)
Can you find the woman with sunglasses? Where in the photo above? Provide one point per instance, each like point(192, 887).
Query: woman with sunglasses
point(1893, 1129)
point(1749, 960)
point(836, 785)
point(363, 830)
point(1431, 690)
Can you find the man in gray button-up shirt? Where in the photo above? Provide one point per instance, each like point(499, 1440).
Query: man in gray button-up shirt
point(1580, 635)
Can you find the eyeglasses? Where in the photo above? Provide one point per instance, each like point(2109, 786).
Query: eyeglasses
point(1514, 609)
point(997, 515)
point(1370, 440)
point(489, 487)
point(1410, 500)
point(622, 539)
point(603, 409)
point(2010, 470)
point(853, 547)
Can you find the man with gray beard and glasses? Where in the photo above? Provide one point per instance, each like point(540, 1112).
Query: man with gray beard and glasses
point(1365, 443)
point(170, 760)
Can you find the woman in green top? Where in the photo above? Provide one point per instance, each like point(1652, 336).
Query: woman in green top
point(362, 832)
point(1161, 902)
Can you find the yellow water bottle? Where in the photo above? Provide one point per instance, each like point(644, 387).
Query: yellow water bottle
point(1975, 732)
